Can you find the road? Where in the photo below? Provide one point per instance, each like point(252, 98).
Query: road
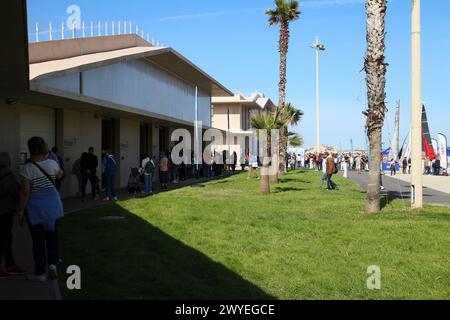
point(399, 189)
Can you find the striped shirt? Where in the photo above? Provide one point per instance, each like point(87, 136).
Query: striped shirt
point(38, 180)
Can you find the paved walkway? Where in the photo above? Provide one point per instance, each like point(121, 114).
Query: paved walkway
point(19, 288)
point(397, 188)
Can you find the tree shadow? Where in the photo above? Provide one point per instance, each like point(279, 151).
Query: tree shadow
point(130, 258)
point(286, 189)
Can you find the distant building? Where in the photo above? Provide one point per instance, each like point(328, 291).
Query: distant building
point(233, 114)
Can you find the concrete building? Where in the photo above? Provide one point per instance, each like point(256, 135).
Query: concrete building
point(233, 114)
point(112, 91)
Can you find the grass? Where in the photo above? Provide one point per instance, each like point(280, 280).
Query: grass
point(224, 240)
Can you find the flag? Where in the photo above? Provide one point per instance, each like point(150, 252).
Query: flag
point(429, 152)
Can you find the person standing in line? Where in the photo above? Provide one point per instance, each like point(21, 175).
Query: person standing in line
point(41, 207)
point(88, 169)
point(148, 168)
point(163, 171)
point(109, 168)
point(9, 199)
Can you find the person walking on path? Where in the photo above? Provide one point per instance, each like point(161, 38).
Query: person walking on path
point(9, 200)
point(148, 169)
point(405, 165)
point(330, 170)
point(393, 167)
point(41, 206)
point(324, 171)
point(109, 168)
point(88, 170)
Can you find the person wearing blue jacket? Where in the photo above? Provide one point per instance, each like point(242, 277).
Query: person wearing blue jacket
point(109, 168)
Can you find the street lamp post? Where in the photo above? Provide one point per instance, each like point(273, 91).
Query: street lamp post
point(416, 110)
point(319, 47)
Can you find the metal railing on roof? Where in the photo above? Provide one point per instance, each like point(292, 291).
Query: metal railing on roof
point(90, 29)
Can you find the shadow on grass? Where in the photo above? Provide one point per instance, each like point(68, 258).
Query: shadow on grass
point(287, 189)
point(129, 258)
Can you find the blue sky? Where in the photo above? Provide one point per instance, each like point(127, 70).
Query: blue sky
point(230, 40)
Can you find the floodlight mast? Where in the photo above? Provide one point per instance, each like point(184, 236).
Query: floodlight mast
point(318, 47)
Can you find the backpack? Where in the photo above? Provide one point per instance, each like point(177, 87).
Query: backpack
point(149, 167)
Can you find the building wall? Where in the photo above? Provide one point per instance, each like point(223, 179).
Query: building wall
point(221, 116)
point(81, 130)
point(69, 83)
point(146, 87)
point(129, 148)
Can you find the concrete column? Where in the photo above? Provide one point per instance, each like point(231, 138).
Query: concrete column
point(155, 147)
point(416, 111)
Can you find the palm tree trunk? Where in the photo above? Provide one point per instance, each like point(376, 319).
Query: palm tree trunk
point(283, 48)
point(375, 67)
point(265, 184)
point(373, 186)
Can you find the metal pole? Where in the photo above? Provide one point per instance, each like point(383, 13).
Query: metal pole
point(92, 28)
point(62, 30)
point(416, 110)
point(84, 29)
point(37, 32)
point(317, 99)
point(51, 31)
point(106, 28)
point(112, 28)
point(99, 28)
point(73, 29)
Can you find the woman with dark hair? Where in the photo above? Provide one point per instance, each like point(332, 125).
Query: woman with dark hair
point(9, 200)
point(40, 205)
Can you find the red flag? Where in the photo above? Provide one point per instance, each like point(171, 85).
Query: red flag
point(429, 151)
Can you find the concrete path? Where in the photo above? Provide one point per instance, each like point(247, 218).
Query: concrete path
point(18, 287)
point(396, 188)
point(439, 183)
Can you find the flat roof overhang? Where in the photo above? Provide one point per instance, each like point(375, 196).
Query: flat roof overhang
point(164, 57)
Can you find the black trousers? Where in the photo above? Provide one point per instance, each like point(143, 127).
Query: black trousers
point(45, 247)
point(92, 178)
point(6, 224)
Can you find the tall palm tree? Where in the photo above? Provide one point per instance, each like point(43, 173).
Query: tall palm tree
point(375, 68)
point(284, 13)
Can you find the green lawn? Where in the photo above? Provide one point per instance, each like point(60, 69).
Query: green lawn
point(224, 240)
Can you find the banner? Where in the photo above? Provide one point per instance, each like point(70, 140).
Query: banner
point(434, 144)
point(442, 148)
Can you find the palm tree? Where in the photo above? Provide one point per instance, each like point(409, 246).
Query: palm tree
point(279, 119)
point(284, 13)
point(375, 68)
point(287, 115)
point(265, 121)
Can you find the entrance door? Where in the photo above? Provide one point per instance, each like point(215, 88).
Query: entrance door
point(109, 134)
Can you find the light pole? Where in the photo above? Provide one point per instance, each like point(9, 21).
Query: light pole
point(319, 47)
point(416, 110)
